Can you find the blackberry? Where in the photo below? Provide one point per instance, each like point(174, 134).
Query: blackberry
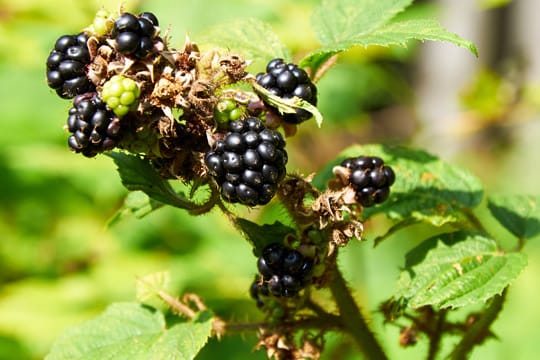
point(135, 35)
point(283, 272)
point(248, 163)
point(94, 128)
point(286, 81)
point(67, 64)
point(370, 178)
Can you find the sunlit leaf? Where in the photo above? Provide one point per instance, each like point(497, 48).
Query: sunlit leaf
point(342, 24)
point(129, 331)
point(520, 214)
point(150, 285)
point(251, 37)
point(458, 269)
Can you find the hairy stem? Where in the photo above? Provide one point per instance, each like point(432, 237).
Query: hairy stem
point(479, 331)
point(328, 323)
point(474, 220)
point(436, 336)
point(353, 321)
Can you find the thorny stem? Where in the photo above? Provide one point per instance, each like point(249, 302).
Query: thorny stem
point(332, 322)
point(436, 335)
point(520, 244)
point(178, 306)
point(479, 331)
point(353, 320)
point(474, 220)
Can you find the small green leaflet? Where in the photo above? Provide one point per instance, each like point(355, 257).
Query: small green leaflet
point(130, 331)
point(519, 214)
point(261, 235)
point(427, 189)
point(138, 173)
point(457, 269)
point(288, 106)
point(342, 24)
point(149, 286)
point(251, 37)
point(137, 204)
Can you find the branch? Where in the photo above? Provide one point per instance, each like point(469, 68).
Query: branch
point(479, 331)
point(353, 320)
point(330, 322)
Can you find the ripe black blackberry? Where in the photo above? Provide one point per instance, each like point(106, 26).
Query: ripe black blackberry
point(248, 163)
point(283, 272)
point(286, 81)
point(135, 34)
point(67, 64)
point(370, 178)
point(94, 128)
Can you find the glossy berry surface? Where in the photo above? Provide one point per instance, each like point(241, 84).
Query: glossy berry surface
point(286, 81)
point(283, 272)
point(135, 35)
point(94, 128)
point(370, 178)
point(248, 163)
point(67, 65)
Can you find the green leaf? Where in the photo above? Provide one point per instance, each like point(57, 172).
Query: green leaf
point(288, 106)
point(519, 214)
point(342, 24)
point(137, 204)
point(261, 235)
point(130, 331)
point(458, 269)
point(251, 37)
point(150, 285)
point(427, 189)
point(138, 173)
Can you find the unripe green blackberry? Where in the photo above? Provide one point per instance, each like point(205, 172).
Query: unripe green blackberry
point(370, 178)
point(103, 23)
point(120, 94)
point(227, 110)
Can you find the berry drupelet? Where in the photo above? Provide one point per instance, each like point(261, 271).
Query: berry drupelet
point(370, 178)
point(283, 272)
point(94, 128)
point(286, 81)
point(135, 35)
point(67, 66)
point(248, 163)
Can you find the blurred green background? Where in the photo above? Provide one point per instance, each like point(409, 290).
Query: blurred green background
point(61, 264)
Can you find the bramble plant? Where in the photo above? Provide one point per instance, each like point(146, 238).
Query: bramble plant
point(167, 115)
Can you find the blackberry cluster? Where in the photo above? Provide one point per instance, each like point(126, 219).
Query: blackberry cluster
point(95, 129)
point(286, 81)
point(67, 65)
point(283, 272)
point(370, 178)
point(248, 163)
point(135, 35)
